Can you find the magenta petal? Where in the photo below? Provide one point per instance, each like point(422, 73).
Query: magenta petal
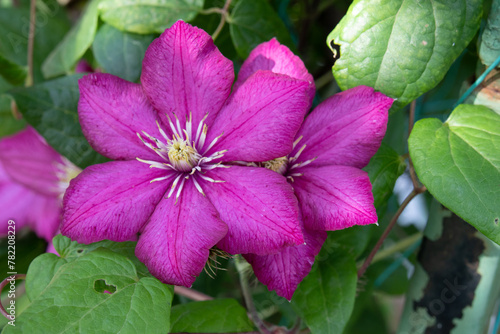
point(112, 111)
point(183, 72)
point(111, 201)
point(346, 129)
point(334, 197)
point(259, 208)
point(284, 271)
point(277, 58)
point(27, 207)
point(28, 160)
point(46, 216)
point(176, 241)
point(261, 118)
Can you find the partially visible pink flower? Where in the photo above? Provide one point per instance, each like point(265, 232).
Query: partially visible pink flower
point(83, 66)
point(174, 138)
point(33, 178)
point(335, 141)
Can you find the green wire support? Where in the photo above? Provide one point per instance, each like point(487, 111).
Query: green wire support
point(478, 82)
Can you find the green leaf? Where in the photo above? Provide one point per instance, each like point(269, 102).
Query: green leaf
point(402, 48)
point(72, 250)
point(41, 271)
point(489, 48)
point(51, 107)
point(352, 240)
point(75, 301)
point(12, 72)
point(384, 169)
point(253, 22)
point(325, 298)
point(67, 53)
point(213, 316)
point(8, 124)
point(121, 53)
point(52, 25)
point(148, 16)
point(458, 162)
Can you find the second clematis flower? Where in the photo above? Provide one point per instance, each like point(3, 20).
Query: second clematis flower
point(33, 178)
point(174, 138)
point(335, 141)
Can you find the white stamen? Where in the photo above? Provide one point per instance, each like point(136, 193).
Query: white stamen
point(160, 178)
point(197, 185)
point(65, 172)
point(155, 164)
point(213, 143)
point(195, 168)
point(162, 132)
point(172, 127)
point(180, 189)
point(209, 179)
point(189, 128)
point(178, 124)
point(217, 165)
point(297, 141)
point(200, 126)
point(174, 184)
point(303, 163)
point(299, 152)
point(203, 136)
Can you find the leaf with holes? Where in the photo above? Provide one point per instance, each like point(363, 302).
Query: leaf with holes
point(402, 48)
point(147, 16)
point(459, 163)
point(212, 316)
point(51, 108)
point(99, 292)
point(72, 250)
point(325, 298)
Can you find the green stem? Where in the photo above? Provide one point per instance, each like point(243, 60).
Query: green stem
point(213, 10)
point(324, 80)
point(223, 18)
point(478, 82)
point(397, 247)
point(388, 229)
point(242, 268)
point(31, 42)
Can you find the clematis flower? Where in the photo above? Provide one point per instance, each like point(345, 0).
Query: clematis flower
point(33, 178)
point(173, 137)
point(335, 141)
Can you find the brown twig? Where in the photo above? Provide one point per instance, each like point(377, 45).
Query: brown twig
point(31, 42)
point(411, 121)
point(223, 18)
point(412, 116)
point(2, 285)
point(247, 296)
point(191, 294)
point(388, 229)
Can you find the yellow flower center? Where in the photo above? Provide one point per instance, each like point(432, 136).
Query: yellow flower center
point(182, 155)
point(278, 165)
